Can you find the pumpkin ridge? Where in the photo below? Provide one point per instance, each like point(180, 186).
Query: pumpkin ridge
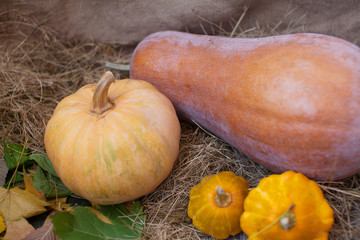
point(65, 133)
point(158, 167)
point(78, 161)
point(142, 143)
point(160, 134)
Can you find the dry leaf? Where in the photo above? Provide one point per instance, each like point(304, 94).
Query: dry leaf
point(46, 232)
point(16, 203)
point(59, 204)
point(2, 223)
point(17, 230)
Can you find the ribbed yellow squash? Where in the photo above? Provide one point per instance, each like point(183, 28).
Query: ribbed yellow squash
point(114, 141)
point(287, 206)
point(216, 204)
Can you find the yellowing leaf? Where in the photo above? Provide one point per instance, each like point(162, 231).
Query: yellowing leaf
point(2, 223)
point(100, 216)
point(17, 230)
point(29, 184)
point(16, 203)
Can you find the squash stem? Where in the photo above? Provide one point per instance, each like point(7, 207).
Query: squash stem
point(222, 198)
point(100, 101)
point(279, 219)
point(287, 220)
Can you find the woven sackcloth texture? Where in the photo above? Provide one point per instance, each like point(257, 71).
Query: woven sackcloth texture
point(129, 21)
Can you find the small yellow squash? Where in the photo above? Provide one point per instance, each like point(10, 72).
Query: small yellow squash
point(216, 204)
point(113, 141)
point(288, 206)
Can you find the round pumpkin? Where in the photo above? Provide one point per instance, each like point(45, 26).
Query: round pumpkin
point(287, 206)
point(216, 204)
point(113, 141)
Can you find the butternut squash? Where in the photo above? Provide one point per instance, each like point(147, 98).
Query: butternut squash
point(290, 102)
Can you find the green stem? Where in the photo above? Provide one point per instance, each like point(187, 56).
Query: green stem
point(121, 67)
point(18, 164)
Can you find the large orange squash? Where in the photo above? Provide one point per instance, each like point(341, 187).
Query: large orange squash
point(290, 102)
point(114, 141)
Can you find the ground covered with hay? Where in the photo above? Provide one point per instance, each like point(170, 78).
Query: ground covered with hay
point(37, 72)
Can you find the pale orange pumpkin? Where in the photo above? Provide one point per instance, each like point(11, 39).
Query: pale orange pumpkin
point(114, 141)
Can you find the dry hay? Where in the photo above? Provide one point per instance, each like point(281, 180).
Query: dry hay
point(36, 73)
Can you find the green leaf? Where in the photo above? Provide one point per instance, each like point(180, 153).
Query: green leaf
point(12, 153)
point(82, 223)
point(133, 217)
point(60, 190)
point(50, 185)
point(18, 178)
point(44, 162)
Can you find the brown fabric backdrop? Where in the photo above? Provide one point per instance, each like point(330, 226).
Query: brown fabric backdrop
point(129, 21)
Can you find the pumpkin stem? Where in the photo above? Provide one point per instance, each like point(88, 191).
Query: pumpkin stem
point(222, 198)
point(100, 101)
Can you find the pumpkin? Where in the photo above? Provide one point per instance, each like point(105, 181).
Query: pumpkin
point(113, 141)
point(216, 204)
point(287, 206)
point(290, 102)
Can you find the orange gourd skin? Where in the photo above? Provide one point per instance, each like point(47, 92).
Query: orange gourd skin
point(273, 196)
point(207, 216)
point(290, 102)
point(119, 155)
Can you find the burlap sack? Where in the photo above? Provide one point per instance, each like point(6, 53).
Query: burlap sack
point(129, 21)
